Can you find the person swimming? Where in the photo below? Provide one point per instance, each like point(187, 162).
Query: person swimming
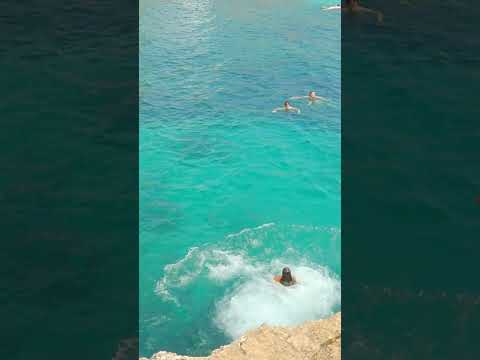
point(312, 97)
point(353, 6)
point(286, 279)
point(287, 108)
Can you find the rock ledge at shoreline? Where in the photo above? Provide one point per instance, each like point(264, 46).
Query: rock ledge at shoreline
point(313, 340)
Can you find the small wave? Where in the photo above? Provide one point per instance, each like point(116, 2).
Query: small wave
point(247, 230)
point(180, 274)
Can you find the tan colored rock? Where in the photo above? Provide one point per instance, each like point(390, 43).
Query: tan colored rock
point(313, 340)
point(163, 355)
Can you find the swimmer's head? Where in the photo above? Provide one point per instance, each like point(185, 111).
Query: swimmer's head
point(312, 94)
point(286, 276)
point(286, 104)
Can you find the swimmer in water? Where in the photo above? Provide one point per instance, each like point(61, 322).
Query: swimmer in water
point(312, 97)
point(353, 7)
point(287, 108)
point(286, 279)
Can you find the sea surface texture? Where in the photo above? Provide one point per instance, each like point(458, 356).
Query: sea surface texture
point(229, 191)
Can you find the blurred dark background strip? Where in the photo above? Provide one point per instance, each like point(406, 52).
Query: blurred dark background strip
point(69, 179)
point(411, 181)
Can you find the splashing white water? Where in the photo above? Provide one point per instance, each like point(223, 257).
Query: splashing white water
point(180, 274)
point(259, 300)
point(251, 297)
point(227, 265)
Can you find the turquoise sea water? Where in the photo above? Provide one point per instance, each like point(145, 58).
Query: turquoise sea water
point(229, 191)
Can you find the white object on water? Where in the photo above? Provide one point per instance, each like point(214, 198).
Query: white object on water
point(290, 109)
point(336, 7)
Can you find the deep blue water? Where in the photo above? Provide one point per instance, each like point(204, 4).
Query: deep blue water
point(229, 191)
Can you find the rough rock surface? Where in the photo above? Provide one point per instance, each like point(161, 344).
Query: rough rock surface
point(314, 340)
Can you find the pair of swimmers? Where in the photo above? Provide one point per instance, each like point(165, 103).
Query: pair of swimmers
point(287, 107)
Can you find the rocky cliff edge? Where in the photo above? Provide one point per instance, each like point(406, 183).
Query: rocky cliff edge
point(313, 340)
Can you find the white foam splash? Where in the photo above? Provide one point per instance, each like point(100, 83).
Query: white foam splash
point(179, 274)
point(226, 265)
point(259, 300)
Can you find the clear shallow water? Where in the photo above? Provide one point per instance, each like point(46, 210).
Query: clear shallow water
point(229, 192)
